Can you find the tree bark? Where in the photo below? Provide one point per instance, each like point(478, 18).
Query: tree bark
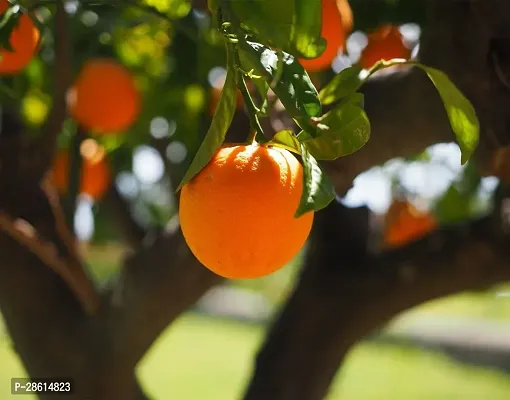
point(345, 293)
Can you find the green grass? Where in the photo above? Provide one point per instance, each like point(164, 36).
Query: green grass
point(204, 358)
point(382, 372)
point(10, 367)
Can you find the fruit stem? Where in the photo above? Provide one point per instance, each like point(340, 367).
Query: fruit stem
point(252, 109)
point(252, 137)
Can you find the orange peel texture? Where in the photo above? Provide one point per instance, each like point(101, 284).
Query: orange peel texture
point(237, 214)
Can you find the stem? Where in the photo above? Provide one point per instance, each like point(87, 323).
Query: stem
point(252, 137)
point(253, 111)
point(279, 70)
point(387, 64)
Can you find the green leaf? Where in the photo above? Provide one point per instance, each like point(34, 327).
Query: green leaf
point(8, 21)
point(291, 25)
point(343, 130)
point(318, 191)
point(303, 136)
point(460, 111)
point(357, 99)
point(345, 83)
point(172, 8)
point(287, 140)
point(263, 88)
point(293, 85)
point(453, 206)
point(306, 35)
point(458, 202)
point(218, 129)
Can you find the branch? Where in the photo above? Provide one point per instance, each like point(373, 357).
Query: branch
point(157, 284)
point(345, 294)
point(406, 116)
point(53, 125)
point(462, 38)
point(50, 330)
point(25, 234)
point(74, 265)
point(132, 232)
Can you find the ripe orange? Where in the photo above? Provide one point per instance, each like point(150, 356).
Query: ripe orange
point(336, 23)
point(104, 98)
point(384, 43)
point(24, 40)
point(95, 172)
point(237, 214)
point(404, 223)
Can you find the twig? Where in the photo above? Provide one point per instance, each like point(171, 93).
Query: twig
point(63, 230)
point(25, 234)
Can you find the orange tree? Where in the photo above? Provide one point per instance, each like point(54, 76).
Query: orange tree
point(155, 97)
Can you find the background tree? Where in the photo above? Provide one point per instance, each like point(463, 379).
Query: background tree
point(63, 324)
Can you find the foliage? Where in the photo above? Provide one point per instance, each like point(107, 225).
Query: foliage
point(171, 51)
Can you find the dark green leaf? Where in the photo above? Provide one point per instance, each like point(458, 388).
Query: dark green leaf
point(8, 21)
point(287, 140)
point(303, 136)
point(318, 191)
point(345, 83)
point(460, 111)
point(291, 25)
point(343, 130)
point(293, 85)
point(218, 129)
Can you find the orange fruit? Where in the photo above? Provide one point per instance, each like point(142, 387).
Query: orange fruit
point(237, 213)
point(24, 40)
point(384, 43)
point(336, 23)
point(95, 171)
point(404, 223)
point(104, 97)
